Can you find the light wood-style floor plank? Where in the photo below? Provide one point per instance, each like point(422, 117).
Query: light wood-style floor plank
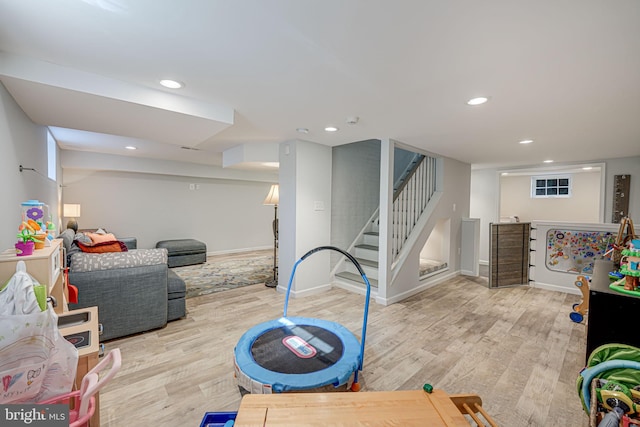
point(515, 347)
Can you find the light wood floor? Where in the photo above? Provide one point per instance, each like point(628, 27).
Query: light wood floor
point(515, 347)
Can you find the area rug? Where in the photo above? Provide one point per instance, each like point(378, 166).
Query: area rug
point(218, 275)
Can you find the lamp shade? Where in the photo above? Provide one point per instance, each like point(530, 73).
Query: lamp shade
point(273, 197)
point(71, 210)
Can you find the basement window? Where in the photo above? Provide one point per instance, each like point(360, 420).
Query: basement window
point(548, 186)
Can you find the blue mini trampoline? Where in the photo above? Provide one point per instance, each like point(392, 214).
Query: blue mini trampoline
point(300, 353)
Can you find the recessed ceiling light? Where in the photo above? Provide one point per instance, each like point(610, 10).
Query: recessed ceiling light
point(504, 173)
point(587, 168)
point(131, 147)
point(526, 141)
point(548, 161)
point(302, 130)
point(477, 101)
point(331, 129)
point(171, 84)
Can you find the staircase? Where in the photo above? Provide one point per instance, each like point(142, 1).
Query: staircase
point(412, 193)
point(366, 253)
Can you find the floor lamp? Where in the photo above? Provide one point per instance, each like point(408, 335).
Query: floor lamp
point(272, 199)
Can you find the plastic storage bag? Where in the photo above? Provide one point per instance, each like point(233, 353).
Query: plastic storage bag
point(36, 361)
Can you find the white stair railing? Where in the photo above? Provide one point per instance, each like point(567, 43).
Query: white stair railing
point(410, 201)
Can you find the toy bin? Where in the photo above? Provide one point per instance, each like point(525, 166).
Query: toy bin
point(218, 419)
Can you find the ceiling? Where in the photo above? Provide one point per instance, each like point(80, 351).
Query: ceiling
point(565, 74)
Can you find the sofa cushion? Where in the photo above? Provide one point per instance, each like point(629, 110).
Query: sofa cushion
point(175, 285)
point(129, 300)
point(176, 309)
point(83, 262)
point(177, 290)
point(131, 242)
point(103, 247)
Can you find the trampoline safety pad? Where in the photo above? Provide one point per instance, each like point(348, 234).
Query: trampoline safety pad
point(295, 353)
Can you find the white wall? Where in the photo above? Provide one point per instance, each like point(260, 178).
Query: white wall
point(355, 192)
point(22, 142)
point(583, 205)
point(437, 242)
point(305, 215)
point(485, 187)
point(227, 215)
point(485, 195)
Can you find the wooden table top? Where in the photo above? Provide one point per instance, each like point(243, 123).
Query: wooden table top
point(380, 408)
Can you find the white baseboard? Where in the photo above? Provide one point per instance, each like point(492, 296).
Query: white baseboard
point(574, 290)
point(362, 290)
point(306, 292)
point(237, 251)
point(421, 287)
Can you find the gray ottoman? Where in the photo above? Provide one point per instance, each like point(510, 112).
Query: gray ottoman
point(177, 290)
point(184, 251)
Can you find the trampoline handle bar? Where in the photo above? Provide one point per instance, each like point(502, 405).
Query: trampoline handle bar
point(364, 278)
point(347, 254)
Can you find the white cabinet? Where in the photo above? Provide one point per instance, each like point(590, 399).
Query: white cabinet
point(45, 265)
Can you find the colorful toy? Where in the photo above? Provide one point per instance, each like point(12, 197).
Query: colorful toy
point(26, 240)
point(609, 383)
point(34, 230)
point(35, 212)
point(630, 270)
point(576, 251)
point(615, 275)
point(626, 234)
point(581, 309)
point(616, 398)
point(51, 229)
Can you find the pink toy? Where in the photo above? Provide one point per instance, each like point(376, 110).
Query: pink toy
point(82, 402)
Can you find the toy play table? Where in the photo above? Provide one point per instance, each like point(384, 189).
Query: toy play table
point(401, 408)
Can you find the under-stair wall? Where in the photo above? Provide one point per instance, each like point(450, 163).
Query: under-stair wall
point(452, 203)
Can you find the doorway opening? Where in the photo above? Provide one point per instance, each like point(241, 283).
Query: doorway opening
point(434, 256)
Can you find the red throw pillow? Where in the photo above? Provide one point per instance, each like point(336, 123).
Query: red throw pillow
point(113, 246)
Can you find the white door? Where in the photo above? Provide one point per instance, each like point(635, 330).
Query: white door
point(470, 247)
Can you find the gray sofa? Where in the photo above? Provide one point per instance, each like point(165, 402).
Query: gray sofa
point(134, 290)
